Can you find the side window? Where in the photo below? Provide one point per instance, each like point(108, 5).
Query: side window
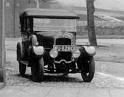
point(23, 24)
point(28, 27)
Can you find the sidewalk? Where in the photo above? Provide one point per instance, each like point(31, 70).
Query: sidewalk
point(33, 91)
point(2, 85)
point(103, 42)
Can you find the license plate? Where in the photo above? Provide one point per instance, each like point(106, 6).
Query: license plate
point(63, 47)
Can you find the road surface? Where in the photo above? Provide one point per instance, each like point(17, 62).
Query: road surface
point(109, 68)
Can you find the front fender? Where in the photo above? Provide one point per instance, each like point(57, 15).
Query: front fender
point(36, 52)
point(84, 57)
point(90, 50)
point(87, 51)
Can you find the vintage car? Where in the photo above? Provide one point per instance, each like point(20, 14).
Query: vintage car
point(48, 45)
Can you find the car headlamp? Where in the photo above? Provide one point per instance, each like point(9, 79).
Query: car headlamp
point(90, 50)
point(76, 53)
point(38, 50)
point(53, 53)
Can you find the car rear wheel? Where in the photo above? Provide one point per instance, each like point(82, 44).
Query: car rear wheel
point(19, 51)
point(88, 70)
point(22, 68)
point(37, 70)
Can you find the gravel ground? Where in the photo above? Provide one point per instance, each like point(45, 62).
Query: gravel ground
point(109, 69)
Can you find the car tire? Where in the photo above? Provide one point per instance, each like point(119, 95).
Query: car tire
point(37, 70)
point(22, 68)
point(87, 73)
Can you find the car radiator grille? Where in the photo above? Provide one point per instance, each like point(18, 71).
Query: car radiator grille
point(63, 41)
point(64, 56)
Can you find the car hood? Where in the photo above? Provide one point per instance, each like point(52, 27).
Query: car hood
point(57, 34)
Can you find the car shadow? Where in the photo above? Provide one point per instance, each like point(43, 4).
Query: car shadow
point(55, 78)
point(61, 78)
point(27, 76)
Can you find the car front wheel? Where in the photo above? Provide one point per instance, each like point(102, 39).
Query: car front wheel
point(37, 70)
point(88, 70)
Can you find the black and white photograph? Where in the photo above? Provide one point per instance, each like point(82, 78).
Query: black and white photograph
point(61, 48)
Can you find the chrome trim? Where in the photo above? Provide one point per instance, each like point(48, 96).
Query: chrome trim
point(63, 61)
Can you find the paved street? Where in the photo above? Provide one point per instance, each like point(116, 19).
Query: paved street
point(109, 68)
point(106, 42)
point(38, 91)
point(107, 82)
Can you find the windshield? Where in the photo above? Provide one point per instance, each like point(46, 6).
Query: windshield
point(54, 24)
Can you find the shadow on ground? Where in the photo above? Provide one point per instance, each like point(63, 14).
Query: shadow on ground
point(52, 78)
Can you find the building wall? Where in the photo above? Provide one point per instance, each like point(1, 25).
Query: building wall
point(13, 8)
point(9, 18)
point(12, 11)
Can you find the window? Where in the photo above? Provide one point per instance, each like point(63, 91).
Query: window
point(54, 24)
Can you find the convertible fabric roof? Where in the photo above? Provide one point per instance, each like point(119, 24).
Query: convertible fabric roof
point(50, 13)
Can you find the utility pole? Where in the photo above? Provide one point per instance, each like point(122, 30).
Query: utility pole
point(14, 5)
point(2, 42)
point(90, 22)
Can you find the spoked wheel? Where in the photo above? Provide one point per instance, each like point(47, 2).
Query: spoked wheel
point(88, 70)
point(37, 70)
point(22, 68)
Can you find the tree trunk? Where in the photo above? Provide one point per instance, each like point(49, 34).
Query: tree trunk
point(90, 22)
